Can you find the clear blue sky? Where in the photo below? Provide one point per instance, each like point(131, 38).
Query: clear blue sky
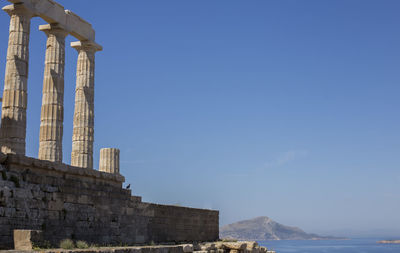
point(282, 108)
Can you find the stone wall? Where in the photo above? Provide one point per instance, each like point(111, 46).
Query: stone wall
point(84, 204)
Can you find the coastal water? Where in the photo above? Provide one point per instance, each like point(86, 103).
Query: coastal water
point(332, 246)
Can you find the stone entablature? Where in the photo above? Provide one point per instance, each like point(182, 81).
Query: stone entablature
point(53, 12)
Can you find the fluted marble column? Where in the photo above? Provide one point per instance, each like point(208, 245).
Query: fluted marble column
point(13, 115)
point(83, 130)
point(52, 115)
point(109, 160)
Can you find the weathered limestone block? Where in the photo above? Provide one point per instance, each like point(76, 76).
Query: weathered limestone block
point(109, 160)
point(252, 245)
point(14, 105)
point(27, 239)
point(187, 248)
point(136, 199)
point(83, 130)
point(208, 247)
point(235, 245)
point(52, 115)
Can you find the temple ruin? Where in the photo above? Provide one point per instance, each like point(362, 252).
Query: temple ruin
point(71, 201)
point(13, 127)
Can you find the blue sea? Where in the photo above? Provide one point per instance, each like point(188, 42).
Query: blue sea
point(331, 246)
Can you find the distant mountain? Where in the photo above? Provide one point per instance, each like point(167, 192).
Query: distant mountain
point(263, 228)
point(390, 242)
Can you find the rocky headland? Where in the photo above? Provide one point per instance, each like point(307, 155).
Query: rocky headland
point(264, 228)
point(389, 242)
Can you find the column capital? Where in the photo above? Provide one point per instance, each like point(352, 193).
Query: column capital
point(86, 46)
point(55, 29)
point(18, 9)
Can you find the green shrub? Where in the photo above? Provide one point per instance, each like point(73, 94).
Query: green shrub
point(46, 245)
point(82, 245)
point(42, 245)
point(67, 244)
point(93, 245)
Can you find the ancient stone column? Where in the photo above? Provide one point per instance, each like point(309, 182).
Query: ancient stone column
point(109, 160)
point(52, 116)
point(83, 130)
point(13, 114)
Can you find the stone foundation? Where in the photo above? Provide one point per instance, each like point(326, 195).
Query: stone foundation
point(208, 247)
point(84, 204)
